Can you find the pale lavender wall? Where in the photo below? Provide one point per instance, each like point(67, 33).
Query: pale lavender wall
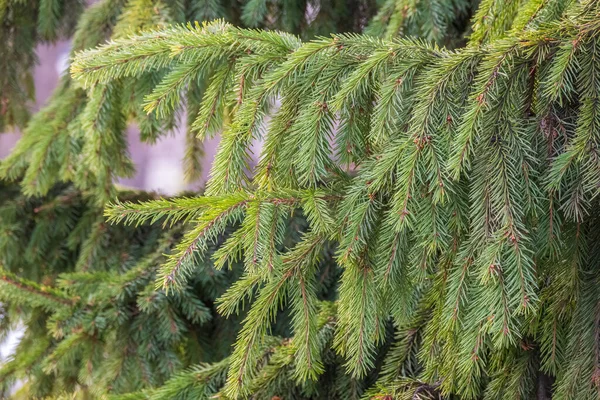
point(158, 166)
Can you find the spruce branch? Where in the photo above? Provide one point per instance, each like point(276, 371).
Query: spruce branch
point(22, 290)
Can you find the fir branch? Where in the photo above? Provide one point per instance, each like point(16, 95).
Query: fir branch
point(22, 290)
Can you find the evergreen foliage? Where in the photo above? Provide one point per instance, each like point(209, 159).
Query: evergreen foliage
point(420, 223)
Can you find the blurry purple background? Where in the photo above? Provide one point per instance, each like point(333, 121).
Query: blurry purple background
point(158, 167)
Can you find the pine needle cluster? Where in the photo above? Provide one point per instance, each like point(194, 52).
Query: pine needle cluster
point(420, 223)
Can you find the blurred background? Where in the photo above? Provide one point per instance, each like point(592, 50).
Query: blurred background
point(158, 167)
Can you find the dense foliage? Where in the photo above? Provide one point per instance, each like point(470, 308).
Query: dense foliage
point(420, 223)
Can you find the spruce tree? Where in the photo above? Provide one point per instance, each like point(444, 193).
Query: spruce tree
point(420, 223)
